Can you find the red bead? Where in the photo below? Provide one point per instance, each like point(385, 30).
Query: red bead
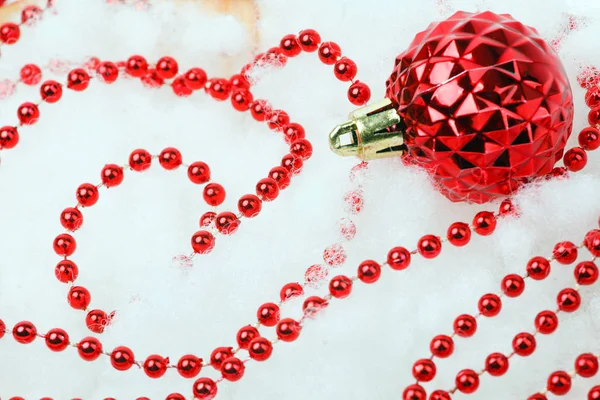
point(121, 358)
point(199, 172)
point(414, 392)
point(593, 394)
point(64, 244)
point(260, 349)
point(592, 97)
point(589, 138)
point(575, 159)
point(214, 194)
point(301, 148)
point(155, 366)
point(369, 271)
point(309, 40)
point(71, 218)
point(424, 370)
point(78, 79)
point(24, 332)
point(484, 223)
point(195, 78)
point(313, 304)
point(31, 14)
point(267, 189)
point(289, 46)
point(89, 348)
point(586, 365)
point(496, 364)
point(136, 66)
point(219, 355)
point(278, 119)
point(175, 396)
point(51, 91)
point(459, 234)
point(218, 88)
point(506, 207)
point(281, 176)
point(568, 300)
point(9, 137)
point(203, 242)
point(140, 160)
point(56, 339)
point(592, 242)
point(340, 287)
point(524, 344)
point(170, 158)
point(293, 132)
point(166, 67)
point(241, 100)
point(28, 113)
point(398, 258)
point(538, 268)
point(233, 369)
point(565, 252)
point(490, 305)
point(345, 69)
point(87, 195)
point(467, 381)
point(2, 329)
point(594, 116)
point(205, 389)
point(439, 395)
point(268, 314)
point(189, 366)
point(249, 205)
point(207, 219)
point(512, 285)
point(111, 175)
point(442, 346)
point(227, 222)
point(239, 81)
point(546, 322)
point(79, 297)
point(329, 53)
point(245, 336)
point(97, 320)
point(260, 110)
point(429, 246)
point(292, 163)
point(9, 33)
point(151, 79)
point(66, 271)
point(559, 383)
point(288, 330)
point(465, 325)
point(586, 273)
point(180, 88)
point(359, 93)
point(108, 71)
point(290, 290)
point(31, 74)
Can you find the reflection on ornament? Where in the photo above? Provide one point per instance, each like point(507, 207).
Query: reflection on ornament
point(479, 100)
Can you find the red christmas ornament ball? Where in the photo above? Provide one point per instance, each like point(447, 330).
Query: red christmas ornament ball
point(485, 102)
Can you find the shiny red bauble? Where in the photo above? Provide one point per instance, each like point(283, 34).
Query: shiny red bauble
point(214, 194)
point(280, 175)
point(568, 300)
point(227, 222)
point(249, 205)
point(205, 389)
point(203, 242)
point(414, 392)
point(121, 358)
point(465, 325)
point(512, 285)
point(195, 78)
point(71, 218)
point(28, 113)
point(79, 297)
point(267, 189)
point(589, 138)
point(189, 366)
point(66, 271)
point(288, 330)
point(538, 268)
point(586, 273)
point(429, 246)
point(559, 383)
point(64, 245)
point(369, 271)
point(89, 348)
point(340, 287)
point(155, 366)
point(524, 344)
point(78, 79)
point(424, 370)
point(245, 335)
point(31, 74)
point(112, 175)
point(268, 314)
point(546, 322)
point(56, 339)
point(24, 332)
point(108, 71)
point(398, 258)
point(9, 33)
point(97, 320)
point(489, 305)
point(140, 160)
point(199, 172)
point(359, 93)
point(496, 364)
point(586, 365)
point(260, 349)
point(136, 66)
point(233, 369)
point(87, 195)
point(462, 122)
point(467, 381)
point(51, 91)
point(166, 67)
point(565, 252)
point(290, 290)
point(309, 40)
point(459, 234)
point(9, 137)
point(170, 158)
point(219, 355)
point(442, 346)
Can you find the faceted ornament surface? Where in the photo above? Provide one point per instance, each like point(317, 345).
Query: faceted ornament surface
point(486, 103)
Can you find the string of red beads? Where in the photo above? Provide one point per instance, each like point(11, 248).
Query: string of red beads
point(523, 344)
point(10, 32)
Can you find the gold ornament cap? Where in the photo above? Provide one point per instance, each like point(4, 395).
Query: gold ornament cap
point(367, 134)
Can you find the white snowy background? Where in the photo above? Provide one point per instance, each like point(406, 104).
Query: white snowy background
point(361, 347)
